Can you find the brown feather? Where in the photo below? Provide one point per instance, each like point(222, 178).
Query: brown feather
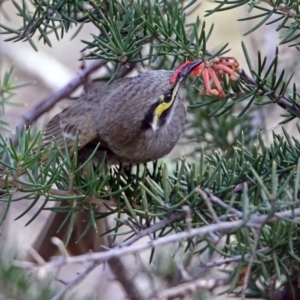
point(65, 127)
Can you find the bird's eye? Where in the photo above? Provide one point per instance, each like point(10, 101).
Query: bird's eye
point(168, 97)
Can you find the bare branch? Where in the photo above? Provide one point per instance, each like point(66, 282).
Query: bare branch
point(188, 288)
point(229, 260)
point(206, 198)
point(182, 272)
point(153, 228)
point(75, 281)
point(255, 221)
point(218, 201)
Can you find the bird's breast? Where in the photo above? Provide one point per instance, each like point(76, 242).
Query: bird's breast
point(140, 146)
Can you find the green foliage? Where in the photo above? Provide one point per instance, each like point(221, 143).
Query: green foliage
point(230, 158)
point(271, 174)
point(7, 88)
point(124, 27)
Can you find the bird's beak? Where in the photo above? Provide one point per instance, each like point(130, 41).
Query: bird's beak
point(186, 70)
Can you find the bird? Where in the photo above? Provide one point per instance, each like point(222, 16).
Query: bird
point(135, 119)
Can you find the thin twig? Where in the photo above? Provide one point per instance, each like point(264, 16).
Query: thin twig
point(188, 288)
point(221, 203)
point(229, 260)
point(253, 222)
point(177, 278)
point(182, 272)
point(153, 228)
point(206, 198)
point(75, 281)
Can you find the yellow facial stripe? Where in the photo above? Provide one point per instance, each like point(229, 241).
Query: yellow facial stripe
point(163, 106)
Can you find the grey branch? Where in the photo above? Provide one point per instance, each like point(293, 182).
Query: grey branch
point(75, 281)
point(206, 197)
point(254, 221)
point(230, 260)
point(153, 228)
point(188, 288)
point(221, 203)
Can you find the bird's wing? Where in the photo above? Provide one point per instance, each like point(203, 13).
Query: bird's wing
point(75, 121)
point(78, 119)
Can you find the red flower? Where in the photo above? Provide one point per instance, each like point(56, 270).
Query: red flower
point(212, 71)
